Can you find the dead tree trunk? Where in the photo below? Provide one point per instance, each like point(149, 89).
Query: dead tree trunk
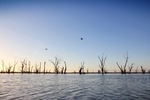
point(81, 70)
point(29, 67)
point(65, 67)
point(143, 70)
point(56, 64)
point(123, 69)
point(22, 65)
point(9, 68)
point(15, 63)
point(136, 70)
point(130, 68)
point(62, 70)
point(3, 65)
point(102, 64)
point(44, 67)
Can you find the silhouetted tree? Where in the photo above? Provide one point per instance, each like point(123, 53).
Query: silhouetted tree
point(37, 68)
point(81, 70)
point(29, 67)
point(15, 63)
point(136, 70)
point(9, 68)
point(130, 68)
point(99, 71)
point(123, 68)
point(40, 68)
point(102, 64)
point(149, 71)
point(65, 67)
point(87, 71)
point(143, 70)
point(44, 67)
point(2, 66)
point(62, 70)
point(56, 63)
point(23, 63)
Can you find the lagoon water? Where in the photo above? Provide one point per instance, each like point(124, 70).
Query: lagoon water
point(74, 87)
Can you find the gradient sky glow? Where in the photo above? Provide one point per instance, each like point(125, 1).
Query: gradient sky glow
point(112, 27)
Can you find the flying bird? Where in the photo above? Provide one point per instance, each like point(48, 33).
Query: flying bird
point(81, 38)
point(46, 48)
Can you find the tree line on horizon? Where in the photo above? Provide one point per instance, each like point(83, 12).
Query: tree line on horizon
point(26, 67)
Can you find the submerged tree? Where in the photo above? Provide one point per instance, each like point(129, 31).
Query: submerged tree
point(56, 63)
point(9, 68)
point(102, 64)
point(65, 67)
point(136, 70)
point(15, 63)
point(123, 68)
point(3, 65)
point(44, 67)
point(29, 67)
point(149, 71)
point(37, 68)
point(81, 70)
point(62, 70)
point(143, 70)
point(23, 63)
point(130, 68)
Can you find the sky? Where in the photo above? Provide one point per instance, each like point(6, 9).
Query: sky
point(109, 27)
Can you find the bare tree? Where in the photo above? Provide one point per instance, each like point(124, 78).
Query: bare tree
point(102, 64)
point(130, 68)
point(15, 63)
point(99, 71)
point(81, 70)
point(143, 70)
point(123, 68)
point(36, 68)
point(65, 67)
point(23, 64)
point(40, 68)
point(62, 70)
point(44, 66)
point(149, 71)
point(87, 71)
point(29, 67)
point(9, 68)
point(3, 65)
point(56, 63)
point(136, 70)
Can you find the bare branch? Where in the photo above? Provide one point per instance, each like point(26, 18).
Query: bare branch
point(56, 63)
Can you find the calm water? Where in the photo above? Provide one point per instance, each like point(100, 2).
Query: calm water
point(74, 87)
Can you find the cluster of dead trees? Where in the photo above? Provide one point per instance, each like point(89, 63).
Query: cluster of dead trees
point(25, 67)
point(56, 63)
point(102, 64)
point(9, 67)
point(123, 68)
point(81, 69)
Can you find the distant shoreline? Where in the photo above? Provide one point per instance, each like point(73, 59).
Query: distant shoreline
point(72, 73)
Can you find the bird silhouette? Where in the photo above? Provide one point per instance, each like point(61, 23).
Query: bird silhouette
point(46, 48)
point(81, 38)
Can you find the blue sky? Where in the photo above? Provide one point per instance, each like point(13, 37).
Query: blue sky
point(112, 27)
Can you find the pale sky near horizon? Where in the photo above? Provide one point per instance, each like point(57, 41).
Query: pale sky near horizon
point(112, 27)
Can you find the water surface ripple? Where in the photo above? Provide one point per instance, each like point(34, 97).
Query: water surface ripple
point(74, 87)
